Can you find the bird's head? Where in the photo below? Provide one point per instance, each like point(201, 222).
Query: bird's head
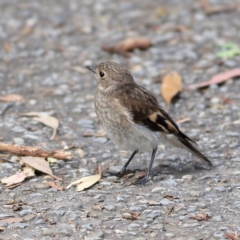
point(110, 74)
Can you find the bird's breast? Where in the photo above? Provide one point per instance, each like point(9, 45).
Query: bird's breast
point(111, 113)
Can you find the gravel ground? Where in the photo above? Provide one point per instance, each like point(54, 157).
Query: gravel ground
point(40, 42)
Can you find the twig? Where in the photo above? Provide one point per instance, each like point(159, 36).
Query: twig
point(33, 151)
point(229, 123)
point(184, 120)
point(215, 9)
point(77, 69)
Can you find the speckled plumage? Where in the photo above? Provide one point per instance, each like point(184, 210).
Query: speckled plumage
point(132, 116)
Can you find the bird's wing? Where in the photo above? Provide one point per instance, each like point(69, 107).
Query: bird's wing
point(144, 108)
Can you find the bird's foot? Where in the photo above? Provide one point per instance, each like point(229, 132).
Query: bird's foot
point(121, 172)
point(142, 180)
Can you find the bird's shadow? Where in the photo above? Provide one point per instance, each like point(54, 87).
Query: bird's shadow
point(176, 169)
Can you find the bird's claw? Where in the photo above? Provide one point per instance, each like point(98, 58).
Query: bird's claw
point(141, 181)
point(121, 172)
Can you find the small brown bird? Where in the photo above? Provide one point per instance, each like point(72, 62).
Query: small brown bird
point(132, 116)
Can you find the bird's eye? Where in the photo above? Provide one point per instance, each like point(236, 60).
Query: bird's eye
point(102, 74)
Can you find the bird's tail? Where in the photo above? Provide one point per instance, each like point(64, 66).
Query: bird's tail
point(189, 144)
point(182, 140)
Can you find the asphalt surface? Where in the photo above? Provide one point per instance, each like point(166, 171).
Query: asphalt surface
point(44, 46)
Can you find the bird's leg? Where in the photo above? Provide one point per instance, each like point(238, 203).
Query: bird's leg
point(128, 161)
point(145, 179)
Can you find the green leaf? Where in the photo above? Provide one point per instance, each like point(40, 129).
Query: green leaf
point(51, 160)
point(228, 50)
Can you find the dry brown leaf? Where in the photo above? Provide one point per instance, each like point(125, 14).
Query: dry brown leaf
point(169, 197)
point(80, 153)
point(57, 186)
point(12, 220)
point(232, 236)
point(93, 134)
point(131, 215)
point(92, 215)
point(97, 207)
point(39, 164)
point(135, 215)
point(7, 47)
point(208, 9)
point(131, 43)
point(2, 229)
point(86, 182)
point(171, 86)
point(12, 98)
point(46, 119)
point(217, 79)
point(200, 217)
point(139, 175)
point(129, 175)
point(14, 179)
point(153, 203)
point(128, 45)
point(13, 186)
point(169, 210)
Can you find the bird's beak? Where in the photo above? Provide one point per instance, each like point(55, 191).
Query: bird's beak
point(91, 68)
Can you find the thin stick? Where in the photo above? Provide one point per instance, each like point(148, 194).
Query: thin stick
point(33, 151)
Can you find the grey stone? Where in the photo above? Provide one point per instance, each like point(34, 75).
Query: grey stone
point(190, 225)
point(157, 226)
point(36, 195)
point(99, 196)
point(7, 165)
point(121, 199)
point(192, 209)
point(133, 225)
point(220, 189)
point(18, 141)
point(71, 215)
point(169, 183)
point(3, 216)
point(100, 140)
point(114, 169)
point(154, 215)
point(217, 218)
point(96, 236)
point(223, 228)
point(3, 224)
point(237, 159)
point(149, 221)
point(158, 189)
point(136, 209)
point(60, 163)
point(18, 225)
point(110, 208)
point(106, 183)
point(48, 232)
point(25, 212)
point(165, 201)
point(39, 221)
point(87, 226)
point(75, 164)
point(85, 122)
point(64, 229)
point(169, 235)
